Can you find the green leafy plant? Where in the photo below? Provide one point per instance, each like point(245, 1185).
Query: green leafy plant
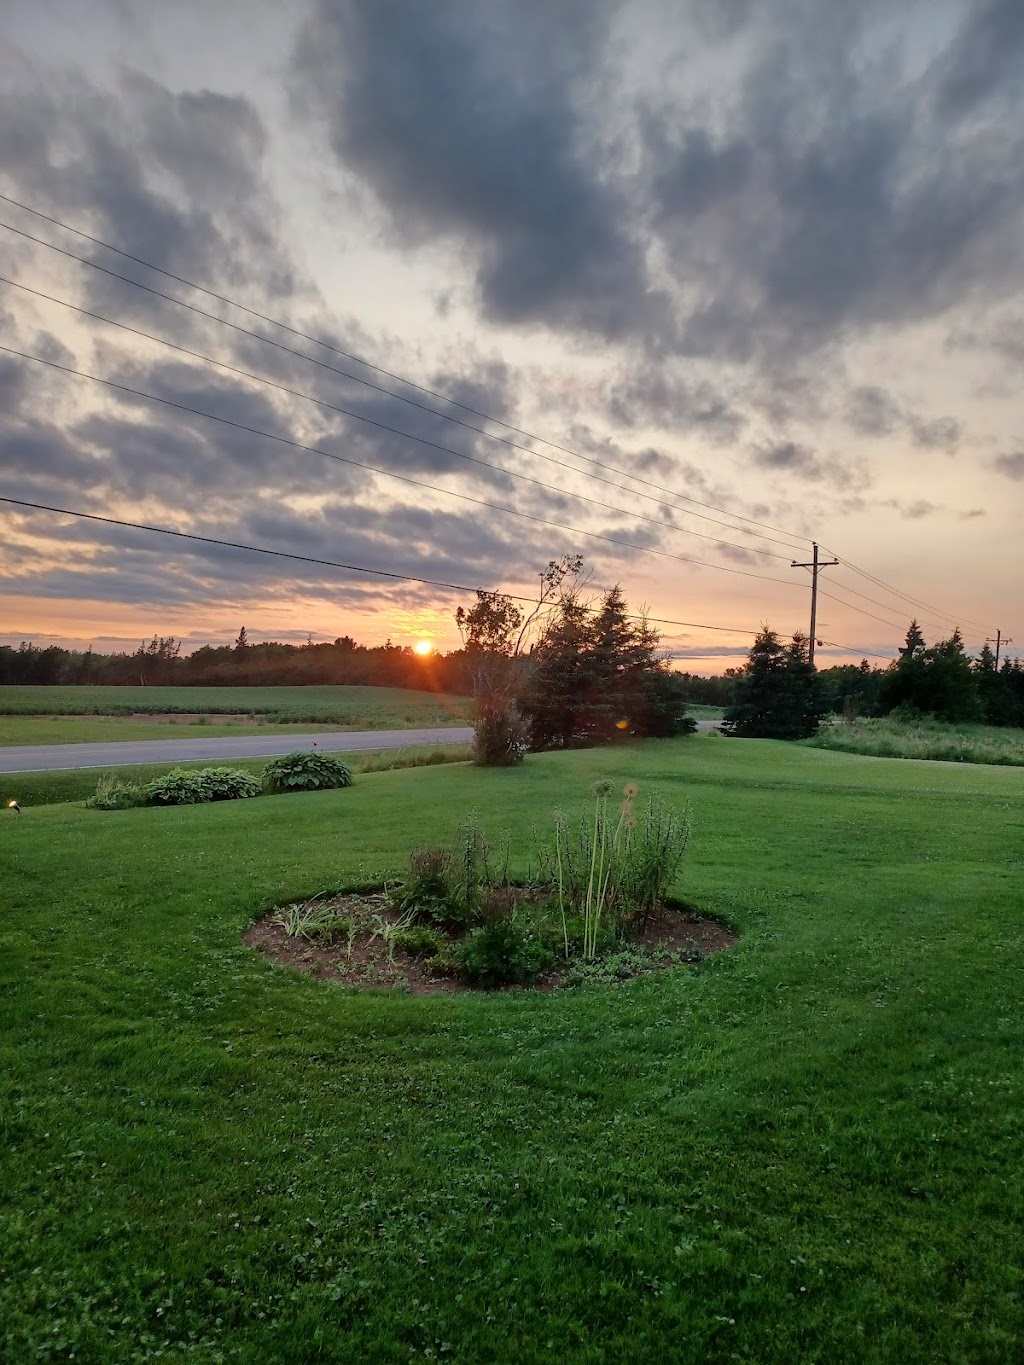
point(615, 871)
point(306, 770)
point(502, 954)
point(179, 787)
point(228, 784)
point(312, 919)
point(389, 931)
point(113, 793)
point(448, 886)
point(419, 940)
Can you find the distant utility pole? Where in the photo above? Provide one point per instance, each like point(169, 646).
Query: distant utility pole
point(814, 566)
point(1001, 641)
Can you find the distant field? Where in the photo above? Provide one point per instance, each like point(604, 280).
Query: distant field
point(340, 708)
point(705, 712)
point(110, 729)
point(887, 738)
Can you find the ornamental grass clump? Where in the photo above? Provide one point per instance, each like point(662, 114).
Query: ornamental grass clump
point(617, 867)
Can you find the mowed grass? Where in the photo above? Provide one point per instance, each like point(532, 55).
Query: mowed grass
point(59, 786)
point(16, 730)
point(886, 737)
point(808, 1149)
point(360, 708)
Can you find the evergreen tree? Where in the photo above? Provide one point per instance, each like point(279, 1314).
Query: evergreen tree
point(938, 681)
point(558, 699)
point(903, 683)
point(777, 694)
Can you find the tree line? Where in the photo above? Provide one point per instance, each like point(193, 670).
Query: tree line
point(574, 670)
point(778, 695)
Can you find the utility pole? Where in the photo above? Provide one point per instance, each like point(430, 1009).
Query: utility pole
point(814, 566)
point(1001, 641)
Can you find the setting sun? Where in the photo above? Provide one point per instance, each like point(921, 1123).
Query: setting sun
point(423, 647)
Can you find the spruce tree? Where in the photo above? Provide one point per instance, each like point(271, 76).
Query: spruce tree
point(777, 692)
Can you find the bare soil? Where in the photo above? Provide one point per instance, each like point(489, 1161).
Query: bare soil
point(360, 956)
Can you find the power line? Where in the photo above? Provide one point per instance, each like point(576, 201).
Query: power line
point(275, 322)
point(383, 426)
point(853, 607)
point(834, 644)
point(402, 478)
point(329, 563)
point(874, 601)
point(170, 298)
point(914, 601)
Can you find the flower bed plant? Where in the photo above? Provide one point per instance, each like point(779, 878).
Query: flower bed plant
point(597, 896)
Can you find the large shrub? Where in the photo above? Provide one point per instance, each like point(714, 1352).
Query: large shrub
point(179, 787)
point(228, 784)
point(502, 954)
point(306, 770)
point(113, 793)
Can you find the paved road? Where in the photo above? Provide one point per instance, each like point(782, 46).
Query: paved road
point(34, 758)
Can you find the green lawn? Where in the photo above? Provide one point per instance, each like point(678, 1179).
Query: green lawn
point(360, 708)
point(808, 1149)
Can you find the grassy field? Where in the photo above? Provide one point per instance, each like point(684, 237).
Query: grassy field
point(110, 729)
point(885, 737)
point(808, 1149)
point(360, 708)
point(59, 787)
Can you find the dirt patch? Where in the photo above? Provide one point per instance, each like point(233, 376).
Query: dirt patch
point(357, 954)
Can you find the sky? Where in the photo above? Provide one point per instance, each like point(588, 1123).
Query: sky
point(700, 282)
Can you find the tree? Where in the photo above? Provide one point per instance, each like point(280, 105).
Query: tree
point(596, 673)
point(777, 693)
point(939, 681)
point(495, 634)
point(156, 660)
point(558, 699)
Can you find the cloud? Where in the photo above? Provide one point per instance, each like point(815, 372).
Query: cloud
point(985, 57)
point(1010, 465)
point(470, 126)
point(800, 461)
point(873, 411)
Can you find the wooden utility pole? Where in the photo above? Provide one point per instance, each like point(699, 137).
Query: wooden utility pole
point(814, 566)
point(1000, 641)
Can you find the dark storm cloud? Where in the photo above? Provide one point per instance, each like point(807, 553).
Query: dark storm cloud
point(647, 394)
point(1010, 465)
point(174, 178)
point(464, 122)
point(987, 56)
point(809, 199)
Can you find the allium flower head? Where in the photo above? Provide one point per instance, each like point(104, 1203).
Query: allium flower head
point(630, 790)
point(602, 788)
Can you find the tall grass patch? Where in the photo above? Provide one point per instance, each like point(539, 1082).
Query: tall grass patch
point(888, 737)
